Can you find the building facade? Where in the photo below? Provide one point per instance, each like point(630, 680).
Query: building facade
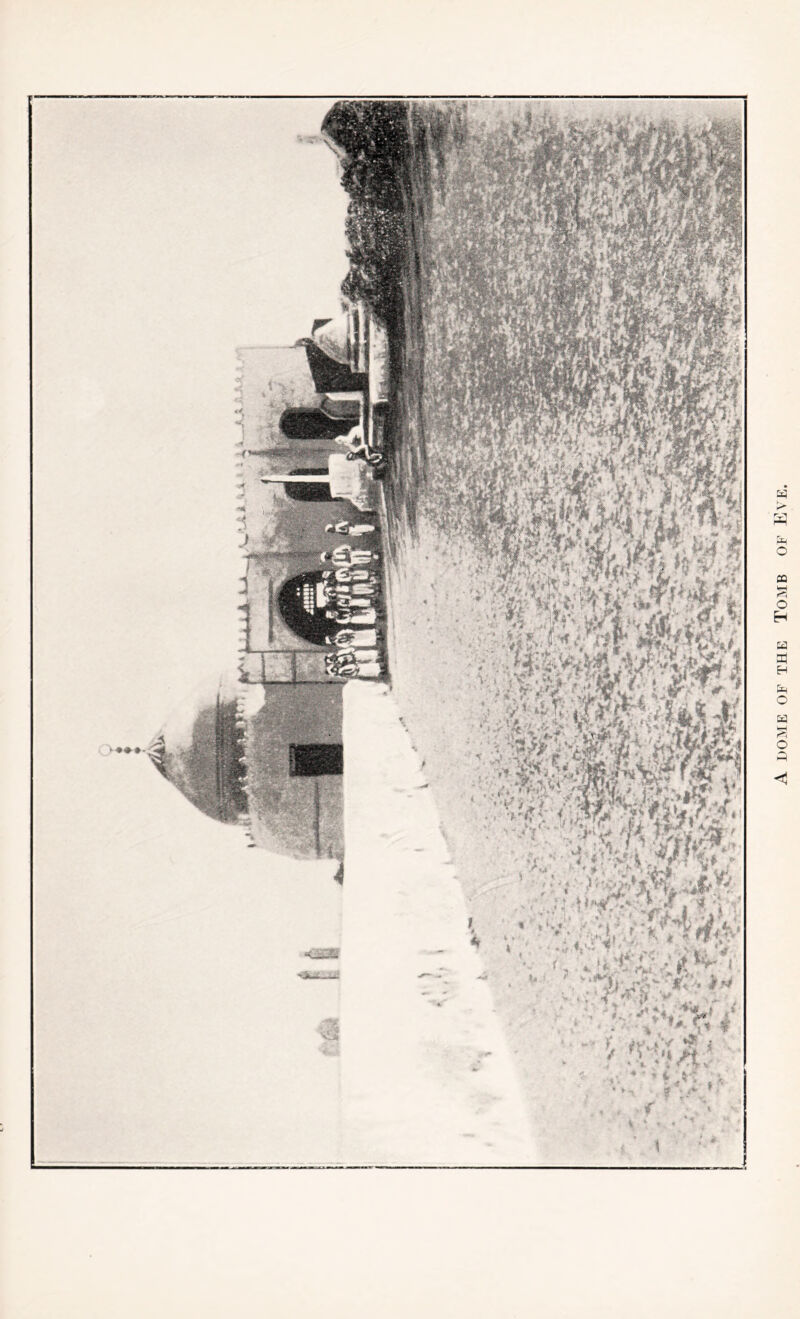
point(282, 526)
point(294, 743)
point(263, 748)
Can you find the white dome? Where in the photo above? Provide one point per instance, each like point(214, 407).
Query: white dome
point(202, 753)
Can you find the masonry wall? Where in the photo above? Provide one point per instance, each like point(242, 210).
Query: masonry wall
point(281, 537)
point(270, 380)
point(300, 817)
point(426, 1072)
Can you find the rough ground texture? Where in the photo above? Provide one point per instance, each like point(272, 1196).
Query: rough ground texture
point(564, 530)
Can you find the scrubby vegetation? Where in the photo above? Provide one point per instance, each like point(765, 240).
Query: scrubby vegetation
point(373, 138)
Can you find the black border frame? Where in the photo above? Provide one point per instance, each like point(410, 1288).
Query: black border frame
point(355, 1167)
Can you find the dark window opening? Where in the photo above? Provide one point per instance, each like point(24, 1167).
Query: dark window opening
point(318, 491)
point(313, 424)
point(312, 758)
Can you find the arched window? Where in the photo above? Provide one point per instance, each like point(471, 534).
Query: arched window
point(308, 490)
point(312, 424)
point(300, 608)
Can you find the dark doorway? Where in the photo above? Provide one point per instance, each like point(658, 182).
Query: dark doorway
point(298, 603)
point(313, 491)
point(312, 758)
point(313, 424)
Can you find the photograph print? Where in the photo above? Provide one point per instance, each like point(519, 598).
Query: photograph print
point(388, 476)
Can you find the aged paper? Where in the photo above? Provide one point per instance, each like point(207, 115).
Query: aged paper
point(106, 1241)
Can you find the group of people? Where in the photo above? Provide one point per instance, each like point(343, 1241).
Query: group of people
point(351, 585)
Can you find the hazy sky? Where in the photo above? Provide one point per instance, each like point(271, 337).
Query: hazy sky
point(170, 1024)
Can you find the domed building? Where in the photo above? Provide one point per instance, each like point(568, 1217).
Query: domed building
point(263, 749)
point(265, 760)
point(200, 750)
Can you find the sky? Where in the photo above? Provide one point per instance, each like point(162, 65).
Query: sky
point(170, 1026)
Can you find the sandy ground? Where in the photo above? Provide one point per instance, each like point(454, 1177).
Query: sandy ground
point(564, 544)
point(425, 1070)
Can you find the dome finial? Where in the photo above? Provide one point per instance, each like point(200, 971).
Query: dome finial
point(154, 749)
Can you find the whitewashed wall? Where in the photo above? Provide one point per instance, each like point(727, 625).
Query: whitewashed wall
point(426, 1076)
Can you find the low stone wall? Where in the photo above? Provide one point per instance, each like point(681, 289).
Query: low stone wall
point(426, 1077)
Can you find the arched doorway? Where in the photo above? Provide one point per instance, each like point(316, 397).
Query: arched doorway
point(319, 491)
point(302, 609)
point(313, 424)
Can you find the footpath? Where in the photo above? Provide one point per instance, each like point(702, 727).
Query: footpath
point(426, 1076)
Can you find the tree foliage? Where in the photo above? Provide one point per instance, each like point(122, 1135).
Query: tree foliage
point(375, 136)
